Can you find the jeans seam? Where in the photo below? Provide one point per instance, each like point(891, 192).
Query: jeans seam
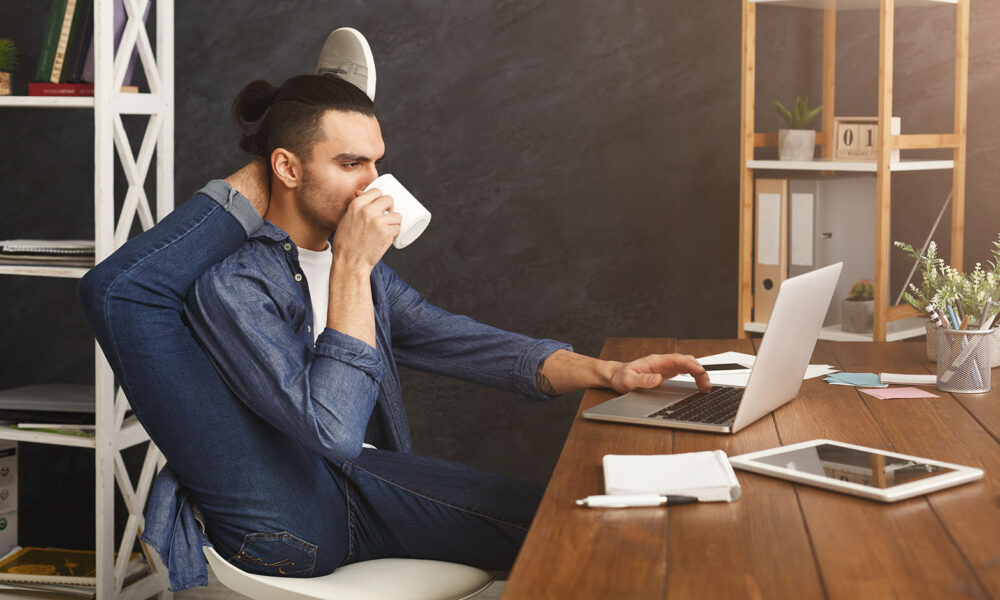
point(351, 524)
point(442, 502)
point(107, 297)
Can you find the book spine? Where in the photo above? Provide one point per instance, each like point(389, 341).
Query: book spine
point(64, 36)
point(119, 26)
point(83, 30)
point(50, 40)
point(135, 53)
point(60, 89)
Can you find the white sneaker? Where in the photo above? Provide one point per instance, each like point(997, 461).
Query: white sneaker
point(346, 54)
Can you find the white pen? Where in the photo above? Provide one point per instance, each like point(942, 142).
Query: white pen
point(633, 500)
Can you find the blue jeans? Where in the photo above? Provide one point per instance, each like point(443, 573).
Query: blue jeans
point(270, 505)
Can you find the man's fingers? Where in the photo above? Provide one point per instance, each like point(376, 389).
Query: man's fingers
point(649, 381)
point(379, 206)
point(366, 198)
point(668, 365)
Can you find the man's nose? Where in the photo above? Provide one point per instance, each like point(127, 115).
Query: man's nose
point(371, 176)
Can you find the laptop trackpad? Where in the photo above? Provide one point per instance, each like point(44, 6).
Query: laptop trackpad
point(640, 403)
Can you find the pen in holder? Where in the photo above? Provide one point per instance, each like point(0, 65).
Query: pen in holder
point(963, 361)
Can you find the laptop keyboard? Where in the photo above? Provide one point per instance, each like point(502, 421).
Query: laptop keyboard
point(717, 407)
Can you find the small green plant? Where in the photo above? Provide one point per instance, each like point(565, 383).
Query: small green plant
point(862, 290)
point(800, 116)
point(943, 284)
point(8, 54)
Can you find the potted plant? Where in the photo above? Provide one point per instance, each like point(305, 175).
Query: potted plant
point(857, 311)
point(797, 143)
point(8, 60)
point(943, 285)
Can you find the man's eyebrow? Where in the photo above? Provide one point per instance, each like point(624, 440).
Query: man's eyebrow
point(348, 156)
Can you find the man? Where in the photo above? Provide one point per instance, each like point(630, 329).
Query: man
point(277, 468)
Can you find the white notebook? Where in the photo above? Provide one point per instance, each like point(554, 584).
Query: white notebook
point(706, 475)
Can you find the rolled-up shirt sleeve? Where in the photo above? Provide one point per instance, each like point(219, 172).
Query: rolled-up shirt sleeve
point(429, 338)
point(322, 394)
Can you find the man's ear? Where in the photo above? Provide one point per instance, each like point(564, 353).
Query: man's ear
point(286, 167)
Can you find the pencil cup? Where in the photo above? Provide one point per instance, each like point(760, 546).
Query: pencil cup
point(963, 364)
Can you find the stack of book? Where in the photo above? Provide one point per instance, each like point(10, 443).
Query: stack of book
point(66, 62)
point(63, 253)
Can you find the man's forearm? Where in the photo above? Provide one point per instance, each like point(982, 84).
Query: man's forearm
point(252, 181)
point(564, 372)
point(351, 310)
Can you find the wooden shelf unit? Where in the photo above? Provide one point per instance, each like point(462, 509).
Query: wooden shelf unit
point(887, 142)
point(114, 432)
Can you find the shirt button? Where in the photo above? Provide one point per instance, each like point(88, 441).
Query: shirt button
point(298, 277)
point(287, 246)
point(309, 328)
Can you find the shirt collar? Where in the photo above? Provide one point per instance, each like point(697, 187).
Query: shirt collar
point(270, 231)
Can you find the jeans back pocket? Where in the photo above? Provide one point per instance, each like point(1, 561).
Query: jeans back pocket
point(280, 554)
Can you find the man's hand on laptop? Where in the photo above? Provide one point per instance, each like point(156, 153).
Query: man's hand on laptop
point(650, 371)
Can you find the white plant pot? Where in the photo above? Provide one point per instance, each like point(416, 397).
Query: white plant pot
point(932, 342)
point(796, 144)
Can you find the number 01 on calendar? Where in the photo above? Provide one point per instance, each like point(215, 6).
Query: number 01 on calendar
point(857, 138)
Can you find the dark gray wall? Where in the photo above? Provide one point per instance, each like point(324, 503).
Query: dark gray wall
point(580, 159)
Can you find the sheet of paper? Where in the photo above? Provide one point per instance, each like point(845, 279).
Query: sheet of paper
point(740, 379)
point(899, 392)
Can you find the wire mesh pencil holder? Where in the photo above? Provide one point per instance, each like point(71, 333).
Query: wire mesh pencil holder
point(963, 364)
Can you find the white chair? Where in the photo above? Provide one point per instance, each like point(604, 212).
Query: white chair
point(381, 579)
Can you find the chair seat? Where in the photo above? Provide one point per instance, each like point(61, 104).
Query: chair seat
point(381, 579)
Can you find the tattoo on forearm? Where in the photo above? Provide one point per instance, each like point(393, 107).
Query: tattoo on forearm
point(543, 384)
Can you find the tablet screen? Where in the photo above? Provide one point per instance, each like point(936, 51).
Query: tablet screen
point(856, 466)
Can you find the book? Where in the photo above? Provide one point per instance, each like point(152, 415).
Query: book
point(50, 565)
point(65, 33)
point(25, 246)
point(56, 567)
point(78, 51)
point(119, 27)
point(71, 89)
point(706, 475)
point(50, 40)
point(55, 428)
point(50, 590)
point(49, 403)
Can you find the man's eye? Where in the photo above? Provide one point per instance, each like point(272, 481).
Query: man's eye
point(350, 165)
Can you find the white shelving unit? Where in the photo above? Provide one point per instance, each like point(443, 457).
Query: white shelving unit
point(891, 322)
point(114, 432)
point(829, 164)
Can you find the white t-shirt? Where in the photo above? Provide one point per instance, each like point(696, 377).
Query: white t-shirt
point(316, 268)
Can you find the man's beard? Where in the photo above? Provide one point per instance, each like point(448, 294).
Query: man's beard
point(313, 204)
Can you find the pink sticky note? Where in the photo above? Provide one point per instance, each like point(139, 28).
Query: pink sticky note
point(898, 392)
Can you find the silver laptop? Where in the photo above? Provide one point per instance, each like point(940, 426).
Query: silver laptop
point(775, 378)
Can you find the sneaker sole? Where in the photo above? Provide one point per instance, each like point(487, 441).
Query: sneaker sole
point(369, 85)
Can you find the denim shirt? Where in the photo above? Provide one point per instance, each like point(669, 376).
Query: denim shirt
point(253, 314)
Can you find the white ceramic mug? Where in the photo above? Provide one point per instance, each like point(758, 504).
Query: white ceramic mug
point(415, 216)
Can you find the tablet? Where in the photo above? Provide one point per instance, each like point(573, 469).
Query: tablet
point(856, 470)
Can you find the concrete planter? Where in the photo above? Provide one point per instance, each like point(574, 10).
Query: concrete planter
point(5, 83)
point(857, 316)
point(932, 342)
point(796, 144)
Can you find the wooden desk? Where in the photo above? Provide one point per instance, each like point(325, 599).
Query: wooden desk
point(780, 540)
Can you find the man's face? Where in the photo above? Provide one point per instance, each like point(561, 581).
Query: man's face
point(341, 164)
